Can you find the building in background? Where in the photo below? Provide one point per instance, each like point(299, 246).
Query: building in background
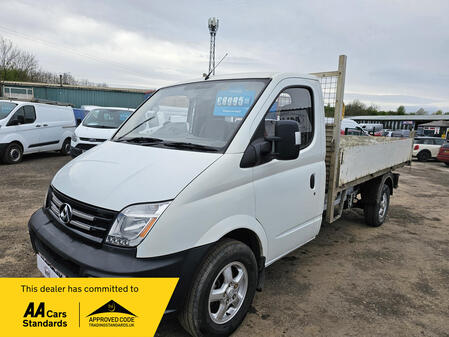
point(75, 95)
point(400, 122)
point(435, 129)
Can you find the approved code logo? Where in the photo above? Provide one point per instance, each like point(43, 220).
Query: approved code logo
point(111, 314)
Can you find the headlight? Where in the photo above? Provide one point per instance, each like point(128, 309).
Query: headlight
point(133, 224)
point(74, 137)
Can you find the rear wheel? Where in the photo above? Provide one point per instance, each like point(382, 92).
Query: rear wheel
point(377, 204)
point(13, 154)
point(222, 291)
point(424, 156)
point(65, 149)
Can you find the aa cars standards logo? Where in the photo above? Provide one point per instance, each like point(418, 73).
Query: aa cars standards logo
point(111, 314)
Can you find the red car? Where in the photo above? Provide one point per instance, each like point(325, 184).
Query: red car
point(443, 155)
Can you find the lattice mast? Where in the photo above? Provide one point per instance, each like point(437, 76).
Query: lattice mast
point(213, 28)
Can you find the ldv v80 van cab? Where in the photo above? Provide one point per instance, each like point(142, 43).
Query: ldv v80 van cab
point(238, 179)
point(28, 127)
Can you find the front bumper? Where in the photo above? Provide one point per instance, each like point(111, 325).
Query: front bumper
point(75, 258)
point(78, 148)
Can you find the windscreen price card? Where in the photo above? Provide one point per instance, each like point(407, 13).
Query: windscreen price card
point(83, 306)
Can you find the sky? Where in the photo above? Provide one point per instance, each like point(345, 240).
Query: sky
point(398, 50)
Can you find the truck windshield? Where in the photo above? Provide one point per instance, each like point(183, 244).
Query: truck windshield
point(6, 108)
point(196, 116)
point(106, 118)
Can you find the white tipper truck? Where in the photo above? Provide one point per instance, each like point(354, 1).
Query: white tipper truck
point(244, 175)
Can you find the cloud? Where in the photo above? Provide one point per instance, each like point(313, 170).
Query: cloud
point(397, 50)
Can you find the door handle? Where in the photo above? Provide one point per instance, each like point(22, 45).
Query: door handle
point(312, 181)
point(38, 125)
point(45, 125)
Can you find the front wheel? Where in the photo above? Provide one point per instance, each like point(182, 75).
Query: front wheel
point(222, 291)
point(13, 154)
point(65, 149)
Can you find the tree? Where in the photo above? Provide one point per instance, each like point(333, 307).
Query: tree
point(8, 54)
point(438, 112)
point(401, 110)
point(421, 111)
point(356, 108)
point(22, 66)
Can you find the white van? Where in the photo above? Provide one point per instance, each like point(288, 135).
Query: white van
point(235, 176)
point(348, 127)
point(27, 127)
point(98, 126)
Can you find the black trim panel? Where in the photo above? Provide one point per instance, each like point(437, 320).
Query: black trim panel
point(44, 144)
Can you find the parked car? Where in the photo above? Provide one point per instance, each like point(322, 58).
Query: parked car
point(349, 127)
point(374, 129)
point(27, 127)
point(400, 133)
point(98, 126)
point(426, 148)
point(443, 154)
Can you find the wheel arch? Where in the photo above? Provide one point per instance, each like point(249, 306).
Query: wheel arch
point(242, 228)
point(18, 142)
point(15, 138)
point(249, 238)
point(425, 150)
point(389, 181)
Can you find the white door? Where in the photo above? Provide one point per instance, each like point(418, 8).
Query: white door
point(23, 122)
point(290, 194)
point(51, 128)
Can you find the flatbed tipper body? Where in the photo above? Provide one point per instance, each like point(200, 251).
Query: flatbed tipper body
point(361, 157)
point(353, 160)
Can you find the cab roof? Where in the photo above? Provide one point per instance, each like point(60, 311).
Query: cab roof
point(255, 75)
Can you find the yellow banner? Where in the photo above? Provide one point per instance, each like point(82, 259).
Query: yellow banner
point(83, 306)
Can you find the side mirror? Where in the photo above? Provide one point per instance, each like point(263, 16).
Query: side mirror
point(288, 140)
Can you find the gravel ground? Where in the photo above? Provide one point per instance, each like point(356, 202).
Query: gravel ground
point(351, 280)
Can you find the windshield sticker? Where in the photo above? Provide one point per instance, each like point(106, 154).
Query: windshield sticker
point(235, 103)
point(124, 116)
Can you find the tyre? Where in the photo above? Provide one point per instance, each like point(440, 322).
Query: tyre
point(424, 156)
point(447, 163)
point(376, 211)
point(65, 149)
point(13, 154)
point(222, 291)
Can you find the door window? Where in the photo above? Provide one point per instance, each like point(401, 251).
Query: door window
point(30, 114)
point(24, 115)
point(292, 104)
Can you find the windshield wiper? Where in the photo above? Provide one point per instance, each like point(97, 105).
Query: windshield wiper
point(137, 126)
point(141, 140)
point(100, 126)
point(184, 145)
